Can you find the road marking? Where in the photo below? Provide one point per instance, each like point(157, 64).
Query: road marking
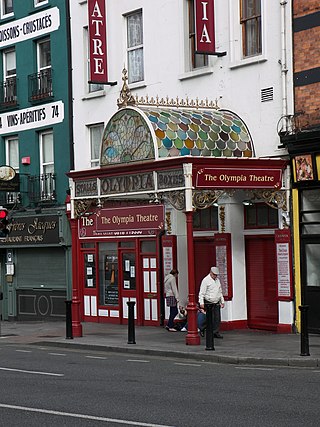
point(57, 354)
point(138, 360)
point(23, 351)
point(86, 417)
point(254, 369)
point(96, 357)
point(32, 372)
point(187, 364)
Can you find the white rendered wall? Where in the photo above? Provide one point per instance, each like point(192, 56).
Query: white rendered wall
point(235, 83)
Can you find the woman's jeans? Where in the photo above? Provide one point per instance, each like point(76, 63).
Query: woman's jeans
point(173, 313)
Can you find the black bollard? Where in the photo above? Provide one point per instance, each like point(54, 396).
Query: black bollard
point(131, 333)
point(209, 327)
point(68, 320)
point(304, 330)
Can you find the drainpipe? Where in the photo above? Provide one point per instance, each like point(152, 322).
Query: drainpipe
point(70, 93)
point(283, 61)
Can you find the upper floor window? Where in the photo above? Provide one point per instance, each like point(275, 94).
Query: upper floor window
point(12, 152)
point(93, 87)
point(260, 215)
point(40, 83)
point(40, 2)
point(44, 54)
point(135, 47)
point(9, 85)
point(250, 19)
point(196, 60)
point(96, 132)
point(46, 152)
point(6, 8)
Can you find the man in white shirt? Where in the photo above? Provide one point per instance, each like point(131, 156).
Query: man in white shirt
point(211, 293)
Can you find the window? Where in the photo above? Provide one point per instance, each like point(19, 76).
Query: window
point(93, 87)
point(12, 152)
point(250, 20)
point(40, 2)
point(44, 67)
point(47, 178)
point(96, 132)
point(6, 8)
point(46, 152)
point(260, 215)
point(9, 74)
point(135, 47)
point(196, 60)
point(206, 219)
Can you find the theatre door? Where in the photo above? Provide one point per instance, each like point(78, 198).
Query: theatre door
point(261, 273)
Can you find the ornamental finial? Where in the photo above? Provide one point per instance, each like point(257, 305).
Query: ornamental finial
point(126, 98)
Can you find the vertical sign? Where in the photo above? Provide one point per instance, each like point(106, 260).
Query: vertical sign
point(222, 243)
point(204, 17)
point(283, 251)
point(169, 249)
point(97, 41)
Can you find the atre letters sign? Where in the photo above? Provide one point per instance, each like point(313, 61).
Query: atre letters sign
point(97, 41)
point(134, 221)
point(204, 23)
point(238, 178)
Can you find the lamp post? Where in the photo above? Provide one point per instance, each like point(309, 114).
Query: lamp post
point(192, 337)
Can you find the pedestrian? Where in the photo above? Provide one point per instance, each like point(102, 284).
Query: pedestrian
point(172, 297)
point(211, 293)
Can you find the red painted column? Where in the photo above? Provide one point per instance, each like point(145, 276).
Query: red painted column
point(192, 337)
point(76, 325)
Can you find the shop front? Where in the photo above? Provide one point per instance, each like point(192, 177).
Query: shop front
point(304, 153)
point(170, 193)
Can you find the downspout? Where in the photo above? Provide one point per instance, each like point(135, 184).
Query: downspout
point(283, 62)
point(70, 92)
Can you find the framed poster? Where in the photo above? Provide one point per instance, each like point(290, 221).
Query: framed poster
point(304, 168)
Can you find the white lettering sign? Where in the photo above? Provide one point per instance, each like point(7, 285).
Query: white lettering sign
point(32, 26)
point(30, 118)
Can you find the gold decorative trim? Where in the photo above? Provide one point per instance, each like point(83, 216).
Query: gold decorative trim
point(168, 222)
point(222, 216)
point(274, 199)
point(82, 207)
point(176, 103)
point(204, 199)
point(176, 199)
point(126, 98)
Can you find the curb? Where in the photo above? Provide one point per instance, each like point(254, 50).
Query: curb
point(212, 358)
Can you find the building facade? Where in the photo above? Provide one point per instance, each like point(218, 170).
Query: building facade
point(302, 141)
point(178, 161)
point(36, 147)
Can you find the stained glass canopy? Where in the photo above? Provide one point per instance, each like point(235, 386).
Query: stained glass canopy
point(140, 133)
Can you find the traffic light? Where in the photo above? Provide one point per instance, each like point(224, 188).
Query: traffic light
point(4, 231)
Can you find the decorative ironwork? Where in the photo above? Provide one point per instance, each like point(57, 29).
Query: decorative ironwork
point(205, 199)
point(81, 207)
point(177, 102)
point(176, 199)
point(222, 216)
point(168, 222)
point(8, 92)
point(274, 199)
point(40, 85)
point(126, 98)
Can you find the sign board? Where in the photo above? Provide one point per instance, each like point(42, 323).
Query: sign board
point(133, 221)
point(222, 243)
point(97, 41)
point(204, 24)
point(283, 253)
point(33, 25)
point(238, 178)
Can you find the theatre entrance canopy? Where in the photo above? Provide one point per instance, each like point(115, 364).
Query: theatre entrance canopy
point(185, 153)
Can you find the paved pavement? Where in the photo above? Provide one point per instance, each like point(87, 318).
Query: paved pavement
point(237, 347)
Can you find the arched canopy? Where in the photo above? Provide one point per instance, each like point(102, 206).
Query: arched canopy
point(136, 134)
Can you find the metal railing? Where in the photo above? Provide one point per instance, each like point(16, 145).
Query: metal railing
point(40, 85)
point(42, 188)
point(8, 92)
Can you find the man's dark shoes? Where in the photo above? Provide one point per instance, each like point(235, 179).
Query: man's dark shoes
point(217, 335)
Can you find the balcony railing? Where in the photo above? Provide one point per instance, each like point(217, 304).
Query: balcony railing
point(40, 85)
point(8, 93)
point(42, 188)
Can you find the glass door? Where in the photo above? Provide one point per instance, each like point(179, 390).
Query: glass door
point(311, 281)
point(128, 281)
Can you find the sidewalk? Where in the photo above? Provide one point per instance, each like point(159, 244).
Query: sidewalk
point(237, 347)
